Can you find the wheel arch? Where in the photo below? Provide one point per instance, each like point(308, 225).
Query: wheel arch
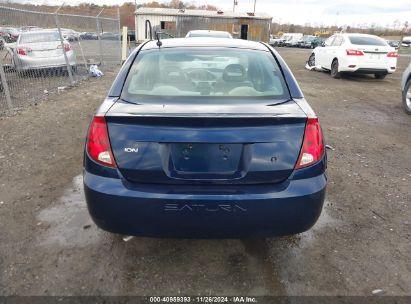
point(407, 85)
point(334, 59)
point(314, 51)
point(408, 79)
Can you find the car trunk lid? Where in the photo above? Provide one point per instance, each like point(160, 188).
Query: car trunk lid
point(219, 144)
point(44, 49)
point(374, 53)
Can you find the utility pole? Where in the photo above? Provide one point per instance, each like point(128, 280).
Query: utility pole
point(255, 1)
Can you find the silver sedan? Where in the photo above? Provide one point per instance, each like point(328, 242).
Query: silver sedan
point(41, 50)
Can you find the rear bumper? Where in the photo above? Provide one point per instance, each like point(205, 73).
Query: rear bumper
point(356, 65)
point(27, 63)
point(204, 212)
point(369, 71)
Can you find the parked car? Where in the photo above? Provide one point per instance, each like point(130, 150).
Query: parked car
point(406, 42)
point(304, 41)
point(274, 40)
point(70, 35)
point(207, 33)
point(227, 148)
point(88, 36)
point(163, 35)
point(289, 38)
point(36, 50)
point(9, 34)
point(292, 41)
point(406, 89)
point(110, 36)
point(355, 53)
point(29, 28)
point(309, 42)
point(393, 43)
point(317, 41)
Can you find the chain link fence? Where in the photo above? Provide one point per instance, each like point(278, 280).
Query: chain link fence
point(42, 52)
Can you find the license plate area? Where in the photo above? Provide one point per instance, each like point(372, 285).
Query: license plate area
point(47, 53)
point(373, 57)
point(203, 160)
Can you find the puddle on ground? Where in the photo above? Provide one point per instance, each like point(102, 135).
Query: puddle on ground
point(68, 222)
point(297, 256)
point(324, 222)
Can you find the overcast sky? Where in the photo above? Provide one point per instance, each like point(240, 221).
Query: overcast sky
point(327, 12)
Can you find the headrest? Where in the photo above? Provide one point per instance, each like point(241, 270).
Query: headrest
point(234, 73)
point(173, 74)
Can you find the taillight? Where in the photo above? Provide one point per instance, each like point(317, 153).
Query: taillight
point(355, 53)
point(23, 51)
point(67, 47)
point(98, 144)
point(312, 149)
point(392, 54)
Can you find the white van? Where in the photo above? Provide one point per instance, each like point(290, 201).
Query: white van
point(288, 39)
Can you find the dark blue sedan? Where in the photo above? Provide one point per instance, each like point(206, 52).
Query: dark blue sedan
point(205, 138)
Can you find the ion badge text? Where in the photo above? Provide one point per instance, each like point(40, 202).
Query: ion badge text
point(131, 150)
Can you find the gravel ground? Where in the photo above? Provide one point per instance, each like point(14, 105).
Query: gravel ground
point(361, 243)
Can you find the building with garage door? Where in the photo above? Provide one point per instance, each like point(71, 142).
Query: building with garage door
point(178, 22)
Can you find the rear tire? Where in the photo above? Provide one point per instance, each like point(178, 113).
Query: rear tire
point(380, 76)
point(311, 60)
point(334, 70)
point(406, 98)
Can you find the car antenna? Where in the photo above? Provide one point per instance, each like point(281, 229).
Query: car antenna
point(159, 43)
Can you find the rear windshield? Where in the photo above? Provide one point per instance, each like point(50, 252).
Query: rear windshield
point(225, 72)
point(39, 37)
point(358, 40)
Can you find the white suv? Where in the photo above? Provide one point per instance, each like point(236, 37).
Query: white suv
point(355, 53)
